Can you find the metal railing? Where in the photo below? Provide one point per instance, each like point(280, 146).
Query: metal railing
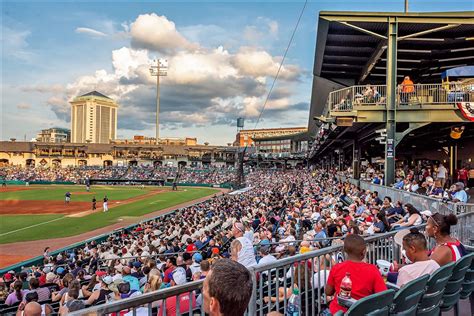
point(308, 272)
point(418, 94)
point(420, 202)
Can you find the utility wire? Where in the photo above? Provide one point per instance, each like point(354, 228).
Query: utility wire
point(240, 170)
point(281, 64)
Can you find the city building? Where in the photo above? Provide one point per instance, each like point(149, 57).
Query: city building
point(144, 140)
point(93, 118)
point(246, 137)
point(70, 154)
point(284, 144)
point(54, 135)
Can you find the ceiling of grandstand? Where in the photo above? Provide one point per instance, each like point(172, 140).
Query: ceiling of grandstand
point(347, 50)
point(435, 135)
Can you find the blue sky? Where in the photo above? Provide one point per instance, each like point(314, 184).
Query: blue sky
point(222, 56)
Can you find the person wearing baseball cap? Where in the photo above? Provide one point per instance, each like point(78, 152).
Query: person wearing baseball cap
point(100, 294)
point(195, 267)
point(187, 300)
point(459, 194)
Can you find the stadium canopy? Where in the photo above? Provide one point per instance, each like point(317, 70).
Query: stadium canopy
point(357, 48)
point(351, 49)
point(352, 45)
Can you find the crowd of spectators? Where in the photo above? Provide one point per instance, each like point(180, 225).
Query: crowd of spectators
point(427, 179)
point(283, 214)
point(212, 175)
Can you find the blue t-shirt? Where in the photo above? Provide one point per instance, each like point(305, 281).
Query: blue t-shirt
point(134, 283)
point(461, 196)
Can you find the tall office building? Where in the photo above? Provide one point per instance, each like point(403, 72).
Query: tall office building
point(93, 118)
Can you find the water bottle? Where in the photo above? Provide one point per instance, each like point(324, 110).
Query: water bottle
point(346, 286)
point(293, 307)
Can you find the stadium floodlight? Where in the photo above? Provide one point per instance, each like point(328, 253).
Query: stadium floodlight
point(158, 68)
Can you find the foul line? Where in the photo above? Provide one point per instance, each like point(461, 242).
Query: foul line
point(28, 227)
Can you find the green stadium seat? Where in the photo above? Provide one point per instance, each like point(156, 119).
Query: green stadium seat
point(431, 300)
point(452, 292)
point(468, 284)
point(407, 298)
point(373, 305)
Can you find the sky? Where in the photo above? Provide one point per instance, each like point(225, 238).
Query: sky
point(222, 55)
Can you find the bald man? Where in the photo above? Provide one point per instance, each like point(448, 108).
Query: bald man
point(31, 309)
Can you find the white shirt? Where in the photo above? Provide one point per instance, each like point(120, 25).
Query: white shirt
point(267, 259)
point(246, 256)
point(415, 270)
point(320, 278)
point(442, 172)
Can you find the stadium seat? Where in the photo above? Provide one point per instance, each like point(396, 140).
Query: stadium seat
point(407, 298)
point(430, 301)
point(10, 309)
point(373, 305)
point(468, 284)
point(452, 292)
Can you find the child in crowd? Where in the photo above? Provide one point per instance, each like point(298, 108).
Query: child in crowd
point(366, 278)
point(415, 246)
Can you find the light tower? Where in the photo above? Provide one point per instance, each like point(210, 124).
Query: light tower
point(158, 68)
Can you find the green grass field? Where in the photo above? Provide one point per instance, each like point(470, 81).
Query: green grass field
point(14, 228)
point(55, 192)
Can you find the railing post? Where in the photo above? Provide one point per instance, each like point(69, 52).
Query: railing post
point(253, 299)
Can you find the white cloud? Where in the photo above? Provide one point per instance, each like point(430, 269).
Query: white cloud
point(157, 33)
point(204, 86)
point(15, 44)
point(260, 63)
point(89, 31)
point(23, 106)
point(263, 30)
point(55, 88)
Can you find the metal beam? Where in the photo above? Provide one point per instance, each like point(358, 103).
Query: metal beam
point(412, 17)
point(379, 50)
point(391, 100)
point(436, 29)
point(363, 30)
point(411, 127)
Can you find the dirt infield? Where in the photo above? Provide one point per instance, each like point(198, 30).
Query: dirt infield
point(13, 189)
point(77, 209)
point(17, 207)
point(28, 249)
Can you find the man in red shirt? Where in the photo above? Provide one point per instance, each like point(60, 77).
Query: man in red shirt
point(366, 278)
point(187, 300)
point(191, 247)
point(170, 266)
point(462, 175)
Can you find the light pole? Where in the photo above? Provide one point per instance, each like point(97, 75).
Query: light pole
point(158, 68)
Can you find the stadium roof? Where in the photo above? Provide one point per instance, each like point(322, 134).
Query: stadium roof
point(351, 49)
point(351, 46)
point(95, 94)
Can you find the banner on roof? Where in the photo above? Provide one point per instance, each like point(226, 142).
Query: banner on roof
point(467, 110)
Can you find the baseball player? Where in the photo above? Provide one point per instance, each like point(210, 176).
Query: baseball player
point(67, 197)
point(106, 204)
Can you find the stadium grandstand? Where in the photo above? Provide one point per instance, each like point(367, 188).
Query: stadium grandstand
point(345, 233)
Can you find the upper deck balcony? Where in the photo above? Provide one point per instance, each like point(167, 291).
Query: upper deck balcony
point(419, 102)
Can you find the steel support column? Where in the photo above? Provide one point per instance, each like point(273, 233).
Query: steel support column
point(355, 160)
point(391, 100)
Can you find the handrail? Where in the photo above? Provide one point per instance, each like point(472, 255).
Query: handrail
point(380, 246)
point(343, 100)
